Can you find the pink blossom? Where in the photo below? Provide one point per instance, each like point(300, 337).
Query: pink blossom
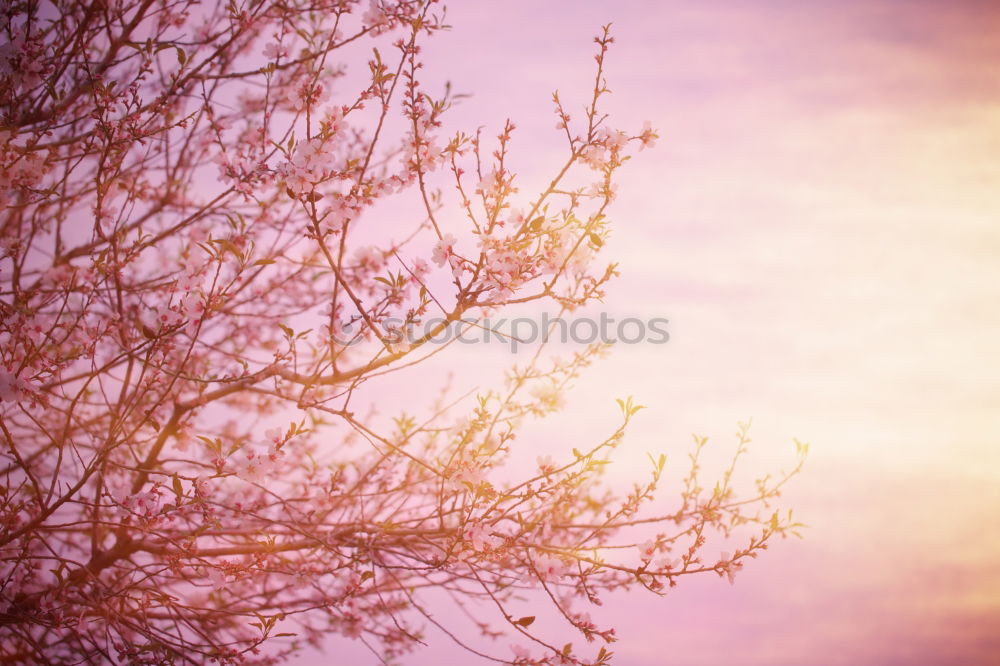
point(583, 621)
point(56, 276)
point(370, 258)
point(479, 536)
point(549, 397)
point(667, 563)
point(614, 140)
point(36, 328)
point(256, 467)
point(516, 217)
point(273, 51)
point(550, 568)
point(335, 216)
point(470, 474)
point(490, 184)
point(443, 249)
point(397, 339)
point(521, 653)
point(427, 150)
point(594, 156)
point(202, 489)
point(609, 190)
point(12, 386)
point(192, 304)
point(419, 269)
point(374, 15)
point(308, 95)
point(146, 504)
point(648, 136)
point(728, 567)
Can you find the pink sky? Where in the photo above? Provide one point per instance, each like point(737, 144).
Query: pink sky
point(819, 223)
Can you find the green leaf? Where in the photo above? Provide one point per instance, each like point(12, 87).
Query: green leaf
point(178, 489)
point(228, 246)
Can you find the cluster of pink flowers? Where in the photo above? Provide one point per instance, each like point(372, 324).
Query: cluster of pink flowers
point(550, 568)
point(21, 168)
point(728, 566)
point(605, 149)
point(14, 386)
point(480, 537)
point(22, 61)
point(145, 504)
point(310, 164)
point(444, 252)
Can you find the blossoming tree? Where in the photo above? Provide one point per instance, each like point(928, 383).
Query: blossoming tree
point(195, 293)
